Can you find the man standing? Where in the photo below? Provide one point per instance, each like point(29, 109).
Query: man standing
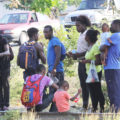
point(35, 46)
point(6, 55)
point(55, 66)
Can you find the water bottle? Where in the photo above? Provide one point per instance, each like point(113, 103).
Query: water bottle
point(54, 79)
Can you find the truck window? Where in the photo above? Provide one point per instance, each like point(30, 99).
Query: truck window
point(92, 4)
point(34, 17)
point(15, 18)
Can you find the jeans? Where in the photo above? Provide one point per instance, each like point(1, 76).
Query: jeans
point(47, 99)
point(112, 77)
point(97, 94)
point(4, 88)
point(85, 91)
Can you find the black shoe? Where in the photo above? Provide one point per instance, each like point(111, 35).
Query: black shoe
point(94, 110)
point(85, 106)
point(101, 109)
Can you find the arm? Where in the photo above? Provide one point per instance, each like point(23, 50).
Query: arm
point(55, 86)
point(76, 55)
point(7, 52)
point(40, 51)
point(58, 55)
point(97, 61)
point(103, 48)
point(73, 98)
point(57, 59)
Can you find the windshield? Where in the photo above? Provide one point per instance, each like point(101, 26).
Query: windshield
point(15, 18)
point(92, 4)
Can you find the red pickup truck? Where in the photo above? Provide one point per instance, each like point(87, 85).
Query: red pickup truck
point(14, 26)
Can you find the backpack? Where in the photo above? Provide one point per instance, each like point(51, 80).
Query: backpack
point(63, 52)
point(31, 93)
point(28, 56)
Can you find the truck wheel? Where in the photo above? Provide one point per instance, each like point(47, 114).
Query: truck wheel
point(23, 38)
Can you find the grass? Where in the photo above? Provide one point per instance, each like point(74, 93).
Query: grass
point(16, 82)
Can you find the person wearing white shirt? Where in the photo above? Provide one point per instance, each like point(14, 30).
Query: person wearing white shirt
point(82, 23)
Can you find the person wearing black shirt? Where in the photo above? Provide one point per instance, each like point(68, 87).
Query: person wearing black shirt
point(6, 55)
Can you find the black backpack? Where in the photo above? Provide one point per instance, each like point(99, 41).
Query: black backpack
point(28, 56)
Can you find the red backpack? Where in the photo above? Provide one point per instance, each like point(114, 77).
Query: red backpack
point(31, 93)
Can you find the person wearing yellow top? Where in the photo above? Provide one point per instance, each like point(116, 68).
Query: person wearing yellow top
point(94, 54)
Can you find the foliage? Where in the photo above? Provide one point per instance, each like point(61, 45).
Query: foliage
point(43, 6)
point(11, 115)
point(74, 2)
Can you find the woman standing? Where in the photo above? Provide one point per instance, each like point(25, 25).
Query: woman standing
point(94, 54)
point(82, 23)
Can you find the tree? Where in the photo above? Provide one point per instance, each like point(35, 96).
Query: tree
point(74, 2)
point(43, 6)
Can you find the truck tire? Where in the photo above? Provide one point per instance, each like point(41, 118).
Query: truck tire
point(23, 38)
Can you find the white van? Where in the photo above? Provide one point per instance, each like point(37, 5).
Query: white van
point(96, 10)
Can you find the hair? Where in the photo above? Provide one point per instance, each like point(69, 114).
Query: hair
point(117, 25)
point(32, 31)
point(105, 25)
point(64, 84)
point(83, 20)
point(92, 34)
point(40, 68)
point(50, 27)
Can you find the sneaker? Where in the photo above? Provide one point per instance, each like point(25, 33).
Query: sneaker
point(5, 108)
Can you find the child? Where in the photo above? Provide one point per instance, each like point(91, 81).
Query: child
point(46, 81)
point(61, 97)
point(104, 36)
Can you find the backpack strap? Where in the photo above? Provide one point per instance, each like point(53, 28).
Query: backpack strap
point(41, 78)
point(29, 78)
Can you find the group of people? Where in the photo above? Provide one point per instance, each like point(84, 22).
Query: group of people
point(88, 50)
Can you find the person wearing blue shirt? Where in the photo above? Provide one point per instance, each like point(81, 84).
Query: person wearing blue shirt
point(55, 65)
point(112, 67)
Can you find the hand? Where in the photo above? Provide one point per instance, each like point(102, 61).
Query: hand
point(72, 55)
point(79, 91)
point(84, 61)
point(53, 72)
point(69, 54)
point(103, 62)
point(109, 40)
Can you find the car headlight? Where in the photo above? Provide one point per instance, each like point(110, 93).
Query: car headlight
point(7, 31)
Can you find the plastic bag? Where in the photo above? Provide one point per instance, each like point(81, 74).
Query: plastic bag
point(92, 75)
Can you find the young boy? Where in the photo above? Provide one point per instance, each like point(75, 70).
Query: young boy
point(104, 36)
point(46, 99)
point(61, 97)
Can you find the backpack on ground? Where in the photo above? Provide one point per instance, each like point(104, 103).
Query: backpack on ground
point(63, 52)
point(31, 93)
point(28, 56)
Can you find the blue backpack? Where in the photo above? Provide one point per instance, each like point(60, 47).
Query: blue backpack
point(28, 56)
point(63, 52)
